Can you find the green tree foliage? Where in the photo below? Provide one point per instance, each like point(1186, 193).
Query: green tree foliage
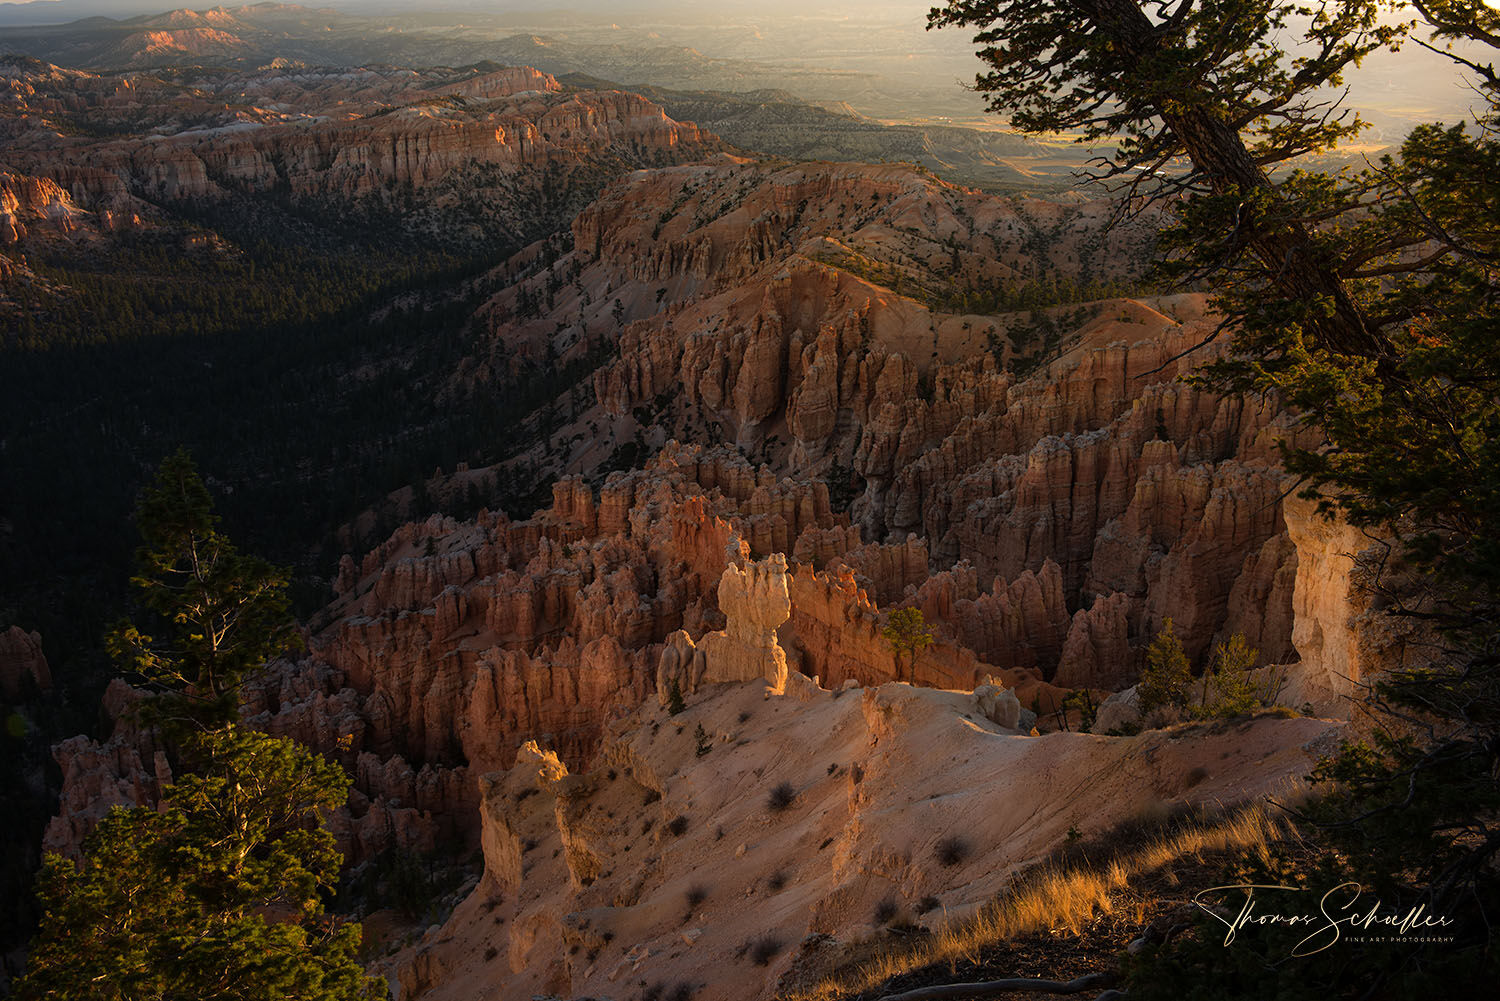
point(1203, 80)
point(1366, 301)
point(218, 896)
point(1166, 679)
point(1229, 690)
point(216, 615)
point(906, 631)
point(1082, 700)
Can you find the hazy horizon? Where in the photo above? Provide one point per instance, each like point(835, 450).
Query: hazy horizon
point(913, 75)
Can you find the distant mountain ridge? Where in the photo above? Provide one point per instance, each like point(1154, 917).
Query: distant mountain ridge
point(776, 121)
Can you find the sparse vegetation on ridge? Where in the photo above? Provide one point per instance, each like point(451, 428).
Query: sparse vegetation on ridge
point(1120, 876)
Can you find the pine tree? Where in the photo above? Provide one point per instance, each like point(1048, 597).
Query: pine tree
point(1166, 680)
point(1228, 688)
point(907, 633)
point(217, 896)
point(214, 615)
point(1203, 80)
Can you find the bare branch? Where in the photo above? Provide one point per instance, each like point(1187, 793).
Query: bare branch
point(988, 989)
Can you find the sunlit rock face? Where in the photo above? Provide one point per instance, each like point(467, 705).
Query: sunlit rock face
point(808, 448)
point(468, 151)
point(1046, 499)
point(755, 602)
point(675, 848)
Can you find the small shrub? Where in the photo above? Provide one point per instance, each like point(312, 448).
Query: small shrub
point(702, 741)
point(675, 704)
point(886, 911)
point(764, 949)
point(677, 826)
point(1082, 700)
point(682, 992)
point(696, 894)
point(927, 904)
point(490, 952)
point(783, 796)
point(952, 850)
point(833, 768)
point(652, 795)
point(777, 881)
point(744, 717)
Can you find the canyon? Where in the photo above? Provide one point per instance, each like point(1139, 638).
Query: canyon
point(1046, 526)
point(478, 148)
point(811, 394)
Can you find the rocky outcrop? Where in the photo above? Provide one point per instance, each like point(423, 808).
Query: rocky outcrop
point(755, 603)
point(1000, 705)
point(1097, 652)
point(670, 852)
point(681, 667)
point(35, 203)
point(758, 302)
point(23, 666)
point(1327, 603)
point(126, 769)
point(1342, 629)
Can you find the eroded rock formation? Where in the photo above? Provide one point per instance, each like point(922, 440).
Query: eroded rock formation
point(662, 860)
point(755, 603)
point(23, 666)
point(347, 135)
point(1037, 483)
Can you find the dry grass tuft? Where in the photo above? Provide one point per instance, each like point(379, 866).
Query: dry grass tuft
point(783, 796)
point(1053, 897)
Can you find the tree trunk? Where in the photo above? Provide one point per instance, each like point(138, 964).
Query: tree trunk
point(1285, 249)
